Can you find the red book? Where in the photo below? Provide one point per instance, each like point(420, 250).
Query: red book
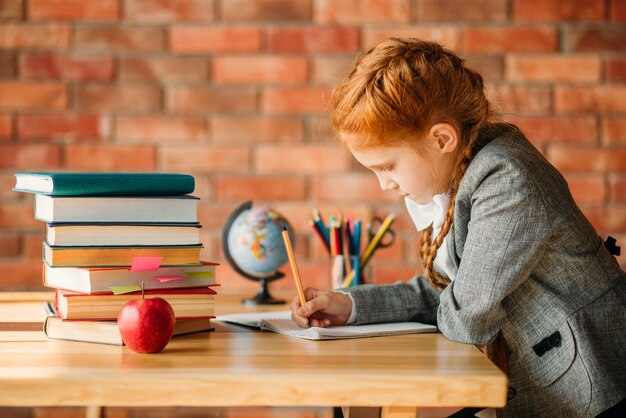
point(187, 303)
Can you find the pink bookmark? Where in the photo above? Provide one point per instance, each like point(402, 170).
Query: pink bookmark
point(164, 279)
point(145, 263)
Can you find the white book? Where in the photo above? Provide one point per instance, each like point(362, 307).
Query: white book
point(280, 322)
point(165, 209)
point(100, 234)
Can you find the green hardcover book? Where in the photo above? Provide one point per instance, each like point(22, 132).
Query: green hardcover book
point(105, 184)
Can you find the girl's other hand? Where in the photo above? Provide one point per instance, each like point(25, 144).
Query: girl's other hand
point(322, 309)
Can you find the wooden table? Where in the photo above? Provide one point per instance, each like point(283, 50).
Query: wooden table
point(236, 366)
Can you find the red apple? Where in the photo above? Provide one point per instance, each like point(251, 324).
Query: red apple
point(146, 325)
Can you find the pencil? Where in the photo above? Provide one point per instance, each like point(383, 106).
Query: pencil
point(319, 233)
point(294, 266)
point(371, 247)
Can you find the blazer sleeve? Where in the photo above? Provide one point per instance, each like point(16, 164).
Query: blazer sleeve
point(416, 300)
point(507, 233)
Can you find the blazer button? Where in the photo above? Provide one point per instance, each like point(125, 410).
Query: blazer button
point(510, 394)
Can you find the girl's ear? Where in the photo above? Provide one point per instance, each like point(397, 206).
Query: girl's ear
point(445, 137)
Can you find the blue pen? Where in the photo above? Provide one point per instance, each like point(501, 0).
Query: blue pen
point(317, 218)
point(356, 245)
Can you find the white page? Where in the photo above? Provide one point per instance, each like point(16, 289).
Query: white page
point(280, 322)
point(253, 319)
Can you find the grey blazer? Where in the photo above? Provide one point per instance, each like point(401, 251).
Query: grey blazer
point(529, 265)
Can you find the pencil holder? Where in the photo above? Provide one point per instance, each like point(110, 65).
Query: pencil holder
point(340, 272)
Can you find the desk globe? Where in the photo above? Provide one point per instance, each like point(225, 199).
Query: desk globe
point(253, 246)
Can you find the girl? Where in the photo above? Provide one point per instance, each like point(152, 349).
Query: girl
point(511, 263)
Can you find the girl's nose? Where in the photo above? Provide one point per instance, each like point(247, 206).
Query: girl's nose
point(387, 183)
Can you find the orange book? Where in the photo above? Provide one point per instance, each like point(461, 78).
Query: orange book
point(187, 303)
point(60, 256)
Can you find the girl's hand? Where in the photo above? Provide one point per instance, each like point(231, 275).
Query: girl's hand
point(322, 309)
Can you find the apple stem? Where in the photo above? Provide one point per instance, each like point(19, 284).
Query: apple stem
point(142, 295)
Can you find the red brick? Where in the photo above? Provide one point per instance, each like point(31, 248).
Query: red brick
point(618, 11)
point(74, 9)
point(8, 68)
point(164, 69)
point(362, 11)
point(205, 158)
point(295, 100)
point(66, 67)
point(6, 126)
point(603, 99)
point(256, 129)
point(520, 100)
point(260, 188)
point(118, 38)
point(107, 98)
point(509, 39)
point(10, 245)
point(554, 68)
point(62, 126)
point(618, 189)
point(11, 9)
point(614, 130)
point(39, 36)
point(581, 129)
point(7, 181)
point(160, 128)
point(329, 70)
point(389, 273)
point(595, 38)
point(194, 39)
point(308, 159)
point(260, 69)
point(350, 187)
point(607, 220)
point(169, 10)
point(212, 215)
point(31, 95)
point(21, 275)
point(587, 188)
point(30, 156)
point(208, 99)
point(448, 36)
point(490, 67)
point(588, 159)
point(558, 10)
point(312, 39)
point(31, 246)
point(460, 10)
point(319, 129)
point(254, 10)
point(99, 157)
point(615, 69)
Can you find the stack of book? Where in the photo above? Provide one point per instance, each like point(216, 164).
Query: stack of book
point(111, 236)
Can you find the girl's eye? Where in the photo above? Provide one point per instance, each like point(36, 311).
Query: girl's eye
point(387, 168)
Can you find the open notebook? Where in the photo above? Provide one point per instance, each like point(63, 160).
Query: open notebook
point(280, 322)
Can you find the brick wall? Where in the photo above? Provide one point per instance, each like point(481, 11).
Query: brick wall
point(235, 92)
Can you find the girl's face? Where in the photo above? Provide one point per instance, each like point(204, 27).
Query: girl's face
point(416, 175)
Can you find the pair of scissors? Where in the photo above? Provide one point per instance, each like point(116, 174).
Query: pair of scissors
point(374, 225)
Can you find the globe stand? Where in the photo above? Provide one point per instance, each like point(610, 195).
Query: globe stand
point(262, 296)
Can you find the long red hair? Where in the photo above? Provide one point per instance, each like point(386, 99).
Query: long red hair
point(405, 86)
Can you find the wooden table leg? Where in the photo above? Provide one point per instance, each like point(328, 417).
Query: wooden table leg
point(94, 411)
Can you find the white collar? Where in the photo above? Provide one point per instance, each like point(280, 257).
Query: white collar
point(433, 212)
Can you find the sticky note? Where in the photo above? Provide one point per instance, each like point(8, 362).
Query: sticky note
point(200, 274)
point(146, 263)
point(164, 279)
point(120, 290)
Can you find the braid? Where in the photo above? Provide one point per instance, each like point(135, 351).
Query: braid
point(429, 247)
